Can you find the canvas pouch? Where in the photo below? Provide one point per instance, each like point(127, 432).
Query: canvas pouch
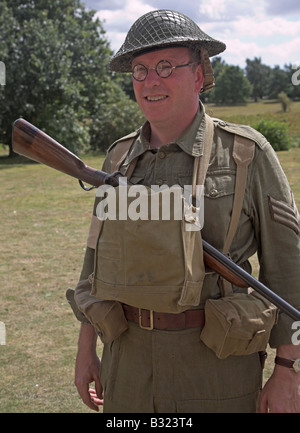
point(107, 317)
point(238, 324)
point(154, 264)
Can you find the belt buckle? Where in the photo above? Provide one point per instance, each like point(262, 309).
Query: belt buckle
point(149, 328)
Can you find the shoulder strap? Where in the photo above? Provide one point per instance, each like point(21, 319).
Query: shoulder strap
point(119, 153)
point(201, 162)
point(243, 153)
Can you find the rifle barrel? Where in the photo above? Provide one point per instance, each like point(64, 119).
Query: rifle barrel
point(252, 282)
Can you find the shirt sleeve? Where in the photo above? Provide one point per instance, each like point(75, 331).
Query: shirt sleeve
point(276, 223)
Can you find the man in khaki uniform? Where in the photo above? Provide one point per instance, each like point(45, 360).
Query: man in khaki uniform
point(163, 366)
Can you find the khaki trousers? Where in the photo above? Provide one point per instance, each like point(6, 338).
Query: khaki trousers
point(174, 372)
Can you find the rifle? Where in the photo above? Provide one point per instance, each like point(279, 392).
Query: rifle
point(34, 144)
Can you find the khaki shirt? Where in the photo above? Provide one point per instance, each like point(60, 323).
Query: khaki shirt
point(269, 222)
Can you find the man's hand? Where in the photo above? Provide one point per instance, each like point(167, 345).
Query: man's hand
point(87, 368)
point(281, 394)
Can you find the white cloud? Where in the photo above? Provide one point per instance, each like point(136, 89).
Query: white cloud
point(237, 51)
point(279, 7)
point(116, 23)
point(103, 4)
point(275, 40)
point(245, 27)
point(272, 54)
point(285, 53)
point(266, 27)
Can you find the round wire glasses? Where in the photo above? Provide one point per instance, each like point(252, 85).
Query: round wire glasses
point(163, 69)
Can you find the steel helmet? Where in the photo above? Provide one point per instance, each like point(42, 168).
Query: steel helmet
point(163, 29)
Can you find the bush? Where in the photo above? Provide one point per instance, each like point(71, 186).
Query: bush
point(113, 122)
point(285, 101)
point(275, 132)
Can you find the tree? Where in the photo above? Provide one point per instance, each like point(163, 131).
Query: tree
point(56, 59)
point(258, 75)
point(279, 81)
point(125, 81)
point(293, 75)
point(232, 86)
point(218, 65)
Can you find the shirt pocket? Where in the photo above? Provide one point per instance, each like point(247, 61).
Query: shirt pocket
point(184, 178)
point(135, 180)
point(218, 202)
point(219, 184)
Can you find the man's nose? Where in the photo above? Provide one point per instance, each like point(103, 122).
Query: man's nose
point(152, 77)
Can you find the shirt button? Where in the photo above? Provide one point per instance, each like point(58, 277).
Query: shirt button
point(222, 123)
point(161, 155)
point(213, 193)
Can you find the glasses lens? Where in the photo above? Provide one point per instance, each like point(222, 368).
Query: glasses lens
point(164, 69)
point(139, 72)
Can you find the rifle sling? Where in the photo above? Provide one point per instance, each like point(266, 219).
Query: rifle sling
point(243, 153)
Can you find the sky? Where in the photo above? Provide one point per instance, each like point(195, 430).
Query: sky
point(268, 29)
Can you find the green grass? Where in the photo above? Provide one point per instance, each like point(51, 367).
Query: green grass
point(250, 113)
point(45, 217)
point(44, 222)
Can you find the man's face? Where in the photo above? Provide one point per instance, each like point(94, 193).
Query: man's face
point(175, 98)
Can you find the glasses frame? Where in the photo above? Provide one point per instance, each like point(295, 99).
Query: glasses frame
point(156, 69)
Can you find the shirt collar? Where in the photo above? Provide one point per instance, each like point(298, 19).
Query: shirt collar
point(191, 141)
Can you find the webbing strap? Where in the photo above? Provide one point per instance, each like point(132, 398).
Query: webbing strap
point(201, 162)
point(243, 152)
point(119, 153)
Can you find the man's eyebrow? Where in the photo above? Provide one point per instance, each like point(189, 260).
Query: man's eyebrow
point(170, 59)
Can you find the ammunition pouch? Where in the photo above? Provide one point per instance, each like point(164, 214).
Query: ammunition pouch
point(107, 317)
point(238, 324)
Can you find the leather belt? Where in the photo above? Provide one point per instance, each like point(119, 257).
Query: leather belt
point(148, 319)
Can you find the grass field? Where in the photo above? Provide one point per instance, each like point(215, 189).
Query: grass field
point(250, 113)
point(44, 221)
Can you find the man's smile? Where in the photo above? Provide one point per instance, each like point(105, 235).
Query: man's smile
point(156, 98)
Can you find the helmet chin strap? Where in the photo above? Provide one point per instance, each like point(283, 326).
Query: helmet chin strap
point(209, 80)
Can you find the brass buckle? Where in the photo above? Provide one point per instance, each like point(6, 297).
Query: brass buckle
point(149, 328)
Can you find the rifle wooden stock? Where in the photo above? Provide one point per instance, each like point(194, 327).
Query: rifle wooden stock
point(31, 142)
point(214, 264)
